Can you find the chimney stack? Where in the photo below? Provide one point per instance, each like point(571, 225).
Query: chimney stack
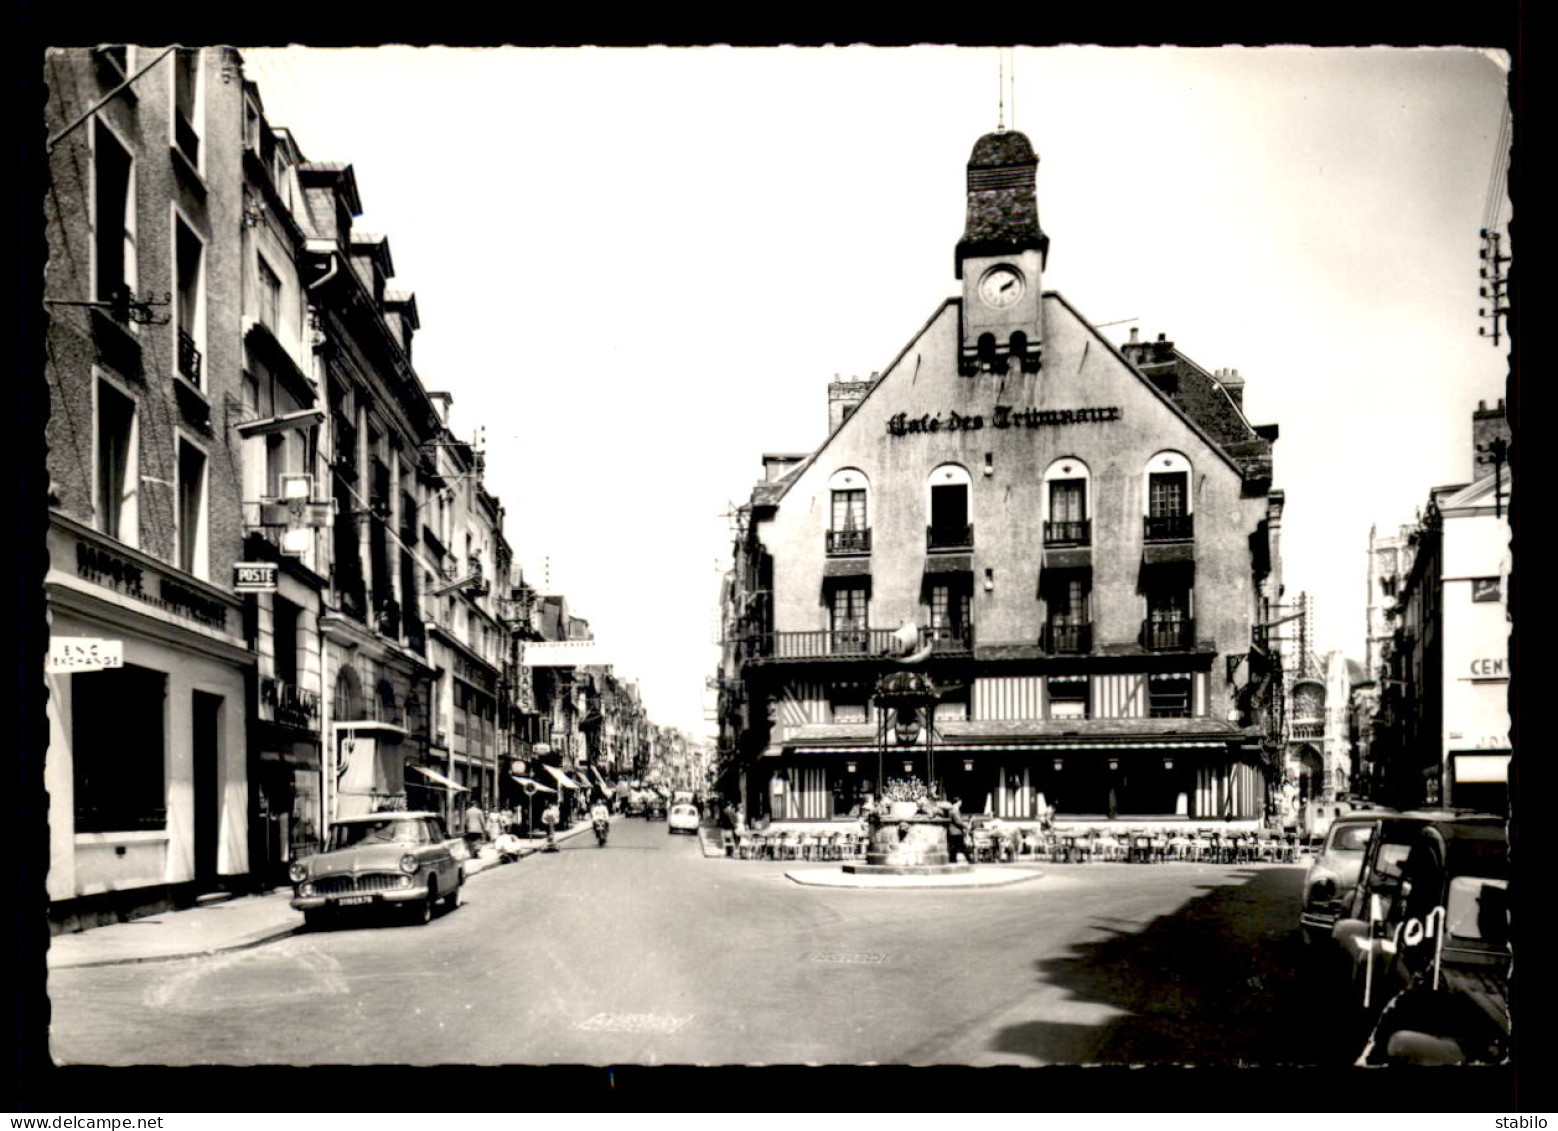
point(1487, 424)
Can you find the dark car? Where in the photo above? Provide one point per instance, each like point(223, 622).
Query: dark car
point(1430, 968)
point(393, 859)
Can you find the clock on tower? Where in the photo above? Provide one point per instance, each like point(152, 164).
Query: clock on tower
point(1001, 258)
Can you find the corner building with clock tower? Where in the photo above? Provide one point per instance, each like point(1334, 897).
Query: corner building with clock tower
point(1076, 543)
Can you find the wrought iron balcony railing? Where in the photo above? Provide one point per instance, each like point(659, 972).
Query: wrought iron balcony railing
point(949, 537)
point(1168, 635)
point(1071, 532)
point(189, 358)
point(849, 541)
point(952, 638)
point(1066, 637)
point(820, 643)
point(1168, 527)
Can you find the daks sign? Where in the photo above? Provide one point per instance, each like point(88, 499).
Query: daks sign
point(1002, 416)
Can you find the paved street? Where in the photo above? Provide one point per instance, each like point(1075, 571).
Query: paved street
point(645, 952)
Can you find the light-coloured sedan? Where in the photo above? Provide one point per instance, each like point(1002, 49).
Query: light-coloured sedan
point(683, 819)
point(378, 860)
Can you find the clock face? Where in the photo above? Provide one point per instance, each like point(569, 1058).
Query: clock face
point(1001, 286)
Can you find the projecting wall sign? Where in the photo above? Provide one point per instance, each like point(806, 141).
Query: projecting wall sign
point(1002, 416)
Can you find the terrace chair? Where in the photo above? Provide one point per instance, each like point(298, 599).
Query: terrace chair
point(1138, 846)
point(1107, 847)
point(1180, 847)
point(727, 840)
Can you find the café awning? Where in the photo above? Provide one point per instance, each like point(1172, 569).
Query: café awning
point(562, 778)
point(600, 779)
point(439, 779)
point(522, 780)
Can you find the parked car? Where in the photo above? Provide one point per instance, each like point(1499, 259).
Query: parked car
point(654, 806)
point(1334, 871)
point(402, 859)
point(1430, 968)
point(683, 819)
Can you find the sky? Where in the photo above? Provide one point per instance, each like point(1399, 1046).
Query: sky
point(638, 269)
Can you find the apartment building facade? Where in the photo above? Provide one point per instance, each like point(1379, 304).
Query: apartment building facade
point(150, 667)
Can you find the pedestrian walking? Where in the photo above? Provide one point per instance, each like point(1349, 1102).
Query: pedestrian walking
point(550, 816)
point(475, 828)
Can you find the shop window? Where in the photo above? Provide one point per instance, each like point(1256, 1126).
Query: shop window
point(117, 750)
point(117, 465)
point(192, 509)
point(1168, 697)
point(1068, 697)
point(113, 216)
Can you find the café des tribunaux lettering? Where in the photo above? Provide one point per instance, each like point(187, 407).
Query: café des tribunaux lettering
point(1002, 416)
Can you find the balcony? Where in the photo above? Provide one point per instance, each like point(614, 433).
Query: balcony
point(1078, 532)
point(841, 542)
point(1168, 527)
point(1307, 731)
point(290, 705)
point(949, 537)
point(953, 639)
point(189, 358)
point(1168, 635)
point(819, 644)
point(1060, 637)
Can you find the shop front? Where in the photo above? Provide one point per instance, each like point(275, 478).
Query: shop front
point(146, 770)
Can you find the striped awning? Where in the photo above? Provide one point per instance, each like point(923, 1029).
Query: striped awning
point(600, 779)
point(522, 780)
point(439, 779)
point(562, 778)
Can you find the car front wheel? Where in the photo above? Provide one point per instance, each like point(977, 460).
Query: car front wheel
point(424, 909)
point(452, 900)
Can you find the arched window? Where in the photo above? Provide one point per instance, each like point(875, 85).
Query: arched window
point(950, 526)
point(1065, 505)
point(348, 696)
point(1168, 498)
point(849, 527)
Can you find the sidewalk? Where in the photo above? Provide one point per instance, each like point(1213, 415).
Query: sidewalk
point(212, 928)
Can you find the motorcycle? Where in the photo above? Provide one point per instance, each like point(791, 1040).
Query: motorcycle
point(602, 827)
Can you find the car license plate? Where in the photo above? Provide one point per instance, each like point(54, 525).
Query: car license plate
point(351, 900)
